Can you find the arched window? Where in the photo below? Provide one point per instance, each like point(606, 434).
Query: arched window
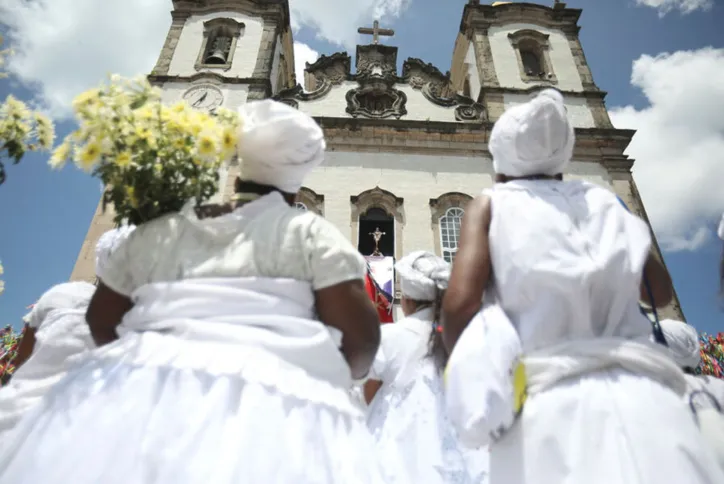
point(447, 211)
point(531, 62)
point(450, 224)
point(377, 209)
point(308, 199)
point(219, 43)
point(532, 50)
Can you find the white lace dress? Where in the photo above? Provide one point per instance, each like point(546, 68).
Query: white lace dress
point(221, 374)
point(407, 416)
point(61, 338)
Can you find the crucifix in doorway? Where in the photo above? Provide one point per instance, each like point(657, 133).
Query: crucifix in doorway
point(377, 236)
point(375, 32)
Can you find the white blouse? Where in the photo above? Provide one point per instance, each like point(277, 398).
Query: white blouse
point(263, 238)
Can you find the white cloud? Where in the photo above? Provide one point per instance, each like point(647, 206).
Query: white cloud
point(63, 47)
point(337, 21)
point(684, 6)
point(67, 46)
point(303, 54)
point(679, 146)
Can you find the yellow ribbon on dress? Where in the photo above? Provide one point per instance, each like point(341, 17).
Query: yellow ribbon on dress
point(520, 387)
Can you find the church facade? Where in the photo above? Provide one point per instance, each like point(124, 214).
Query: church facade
point(407, 143)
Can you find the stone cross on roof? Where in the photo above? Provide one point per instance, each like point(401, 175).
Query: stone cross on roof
point(375, 32)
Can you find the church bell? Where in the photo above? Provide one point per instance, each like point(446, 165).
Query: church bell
point(216, 57)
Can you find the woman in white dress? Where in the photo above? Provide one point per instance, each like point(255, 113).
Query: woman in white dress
point(683, 341)
point(565, 260)
point(56, 333)
point(55, 338)
point(240, 338)
point(407, 414)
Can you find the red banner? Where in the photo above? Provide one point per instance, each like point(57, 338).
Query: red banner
point(384, 307)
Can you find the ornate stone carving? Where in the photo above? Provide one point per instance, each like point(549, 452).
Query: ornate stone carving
point(376, 74)
point(437, 88)
point(376, 101)
point(334, 68)
point(375, 62)
point(293, 95)
point(418, 74)
point(474, 112)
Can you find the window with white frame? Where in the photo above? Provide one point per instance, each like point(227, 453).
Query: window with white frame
point(450, 232)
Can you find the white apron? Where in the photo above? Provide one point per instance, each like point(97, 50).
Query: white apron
point(212, 381)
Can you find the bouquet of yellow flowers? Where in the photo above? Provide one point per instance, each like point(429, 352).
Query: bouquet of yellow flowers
point(151, 158)
point(21, 130)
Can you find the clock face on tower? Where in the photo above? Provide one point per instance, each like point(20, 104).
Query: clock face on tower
point(204, 97)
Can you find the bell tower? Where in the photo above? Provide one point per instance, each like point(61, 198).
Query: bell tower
point(218, 53)
point(225, 52)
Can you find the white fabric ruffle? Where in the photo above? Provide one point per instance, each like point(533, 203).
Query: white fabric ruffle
point(206, 393)
point(416, 439)
point(167, 421)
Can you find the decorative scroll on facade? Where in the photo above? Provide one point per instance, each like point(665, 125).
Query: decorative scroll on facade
point(376, 75)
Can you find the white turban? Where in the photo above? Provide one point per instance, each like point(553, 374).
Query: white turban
point(66, 296)
point(107, 245)
point(683, 341)
point(278, 145)
point(422, 275)
point(534, 138)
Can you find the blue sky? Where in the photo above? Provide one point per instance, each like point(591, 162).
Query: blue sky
point(675, 101)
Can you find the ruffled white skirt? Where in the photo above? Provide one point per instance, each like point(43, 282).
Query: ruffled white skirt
point(602, 428)
point(416, 439)
point(155, 409)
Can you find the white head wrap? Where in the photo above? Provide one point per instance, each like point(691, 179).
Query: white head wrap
point(683, 340)
point(278, 145)
point(65, 296)
point(422, 274)
point(534, 138)
point(107, 245)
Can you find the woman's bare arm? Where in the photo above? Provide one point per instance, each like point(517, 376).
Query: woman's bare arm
point(105, 313)
point(371, 387)
point(470, 272)
point(659, 282)
point(347, 307)
point(25, 348)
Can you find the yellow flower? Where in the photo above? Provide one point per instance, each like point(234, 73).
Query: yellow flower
point(179, 143)
point(179, 107)
point(88, 156)
point(60, 155)
point(46, 132)
point(131, 194)
point(86, 99)
point(16, 108)
point(228, 141)
point(123, 160)
point(206, 146)
point(2, 271)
